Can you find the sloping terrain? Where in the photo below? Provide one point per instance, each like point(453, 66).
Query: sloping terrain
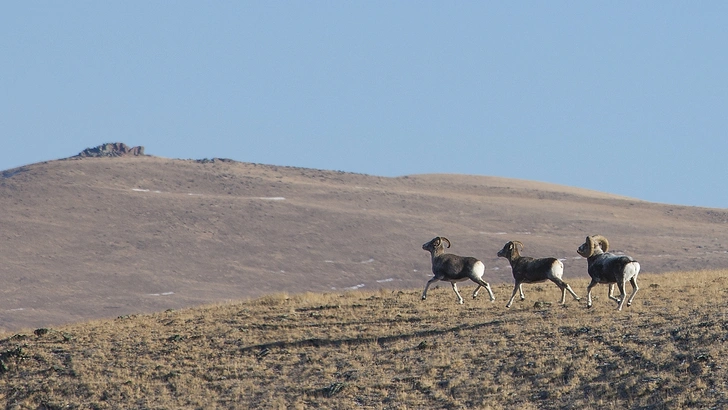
point(104, 237)
point(388, 350)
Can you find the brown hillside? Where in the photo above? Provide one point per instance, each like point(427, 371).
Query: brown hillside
point(104, 237)
point(388, 350)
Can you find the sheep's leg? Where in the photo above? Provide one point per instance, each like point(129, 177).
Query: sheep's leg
point(564, 287)
point(520, 289)
point(513, 296)
point(484, 284)
point(611, 294)
point(455, 288)
point(588, 292)
point(622, 294)
point(475, 292)
point(577, 298)
point(427, 286)
point(635, 288)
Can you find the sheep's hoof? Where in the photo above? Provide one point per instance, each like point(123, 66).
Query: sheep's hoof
point(508, 306)
point(424, 297)
point(588, 306)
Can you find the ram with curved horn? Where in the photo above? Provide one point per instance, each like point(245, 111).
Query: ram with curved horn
point(530, 270)
point(605, 267)
point(451, 268)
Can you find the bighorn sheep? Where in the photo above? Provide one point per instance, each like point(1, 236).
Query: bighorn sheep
point(529, 270)
point(453, 268)
point(605, 267)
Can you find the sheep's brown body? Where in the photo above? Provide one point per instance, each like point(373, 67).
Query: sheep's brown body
point(608, 268)
point(451, 268)
point(529, 270)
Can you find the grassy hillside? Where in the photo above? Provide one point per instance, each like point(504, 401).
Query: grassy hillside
point(97, 238)
point(388, 349)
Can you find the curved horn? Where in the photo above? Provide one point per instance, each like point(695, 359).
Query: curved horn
point(442, 238)
point(518, 243)
point(603, 242)
point(583, 251)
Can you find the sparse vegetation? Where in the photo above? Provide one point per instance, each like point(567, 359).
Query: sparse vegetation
point(388, 349)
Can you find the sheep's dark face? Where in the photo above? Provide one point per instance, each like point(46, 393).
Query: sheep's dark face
point(432, 245)
point(511, 250)
point(435, 244)
point(506, 251)
point(586, 249)
point(594, 245)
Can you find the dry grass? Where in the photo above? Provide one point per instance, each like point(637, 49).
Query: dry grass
point(388, 349)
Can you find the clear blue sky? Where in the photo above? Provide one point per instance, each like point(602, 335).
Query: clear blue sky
point(626, 97)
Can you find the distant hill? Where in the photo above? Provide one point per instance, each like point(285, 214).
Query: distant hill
point(93, 237)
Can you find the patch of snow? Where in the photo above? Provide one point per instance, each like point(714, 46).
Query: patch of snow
point(366, 261)
point(139, 190)
point(355, 287)
point(385, 280)
point(161, 294)
point(272, 198)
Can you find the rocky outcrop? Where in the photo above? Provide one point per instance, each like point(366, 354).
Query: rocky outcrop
point(111, 149)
